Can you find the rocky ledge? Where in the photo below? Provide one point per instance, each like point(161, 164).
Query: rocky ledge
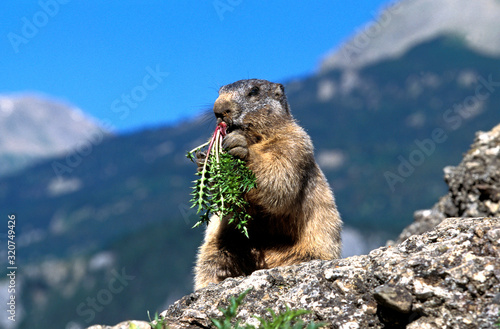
point(474, 186)
point(443, 272)
point(445, 278)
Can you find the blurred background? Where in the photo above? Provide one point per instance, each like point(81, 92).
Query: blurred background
point(99, 103)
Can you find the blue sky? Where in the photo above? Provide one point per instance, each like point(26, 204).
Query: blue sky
point(136, 64)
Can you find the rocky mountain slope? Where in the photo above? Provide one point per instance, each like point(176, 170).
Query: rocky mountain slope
point(447, 277)
point(405, 24)
point(35, 127)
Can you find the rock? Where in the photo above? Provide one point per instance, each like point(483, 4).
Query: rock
point(394, 297)
point(428, 281)
point(474, 187)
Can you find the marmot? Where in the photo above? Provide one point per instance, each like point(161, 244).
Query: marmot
point(294, 217)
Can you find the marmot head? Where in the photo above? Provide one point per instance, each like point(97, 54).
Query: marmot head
point(251, 103)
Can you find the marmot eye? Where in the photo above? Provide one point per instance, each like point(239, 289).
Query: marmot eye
point(254, 91)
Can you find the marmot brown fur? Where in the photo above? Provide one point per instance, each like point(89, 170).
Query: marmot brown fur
point(294, 217)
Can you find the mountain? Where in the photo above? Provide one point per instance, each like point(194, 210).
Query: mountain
point(405, 24)
point(382, 132)
point(37, 127)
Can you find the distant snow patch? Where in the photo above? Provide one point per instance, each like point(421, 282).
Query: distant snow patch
point(6, 106)
point(350, 79)
point(467, 78)
point(326, 90)
point(77, 115)
point(102, 260)
point(331, 159)
point(59, 186)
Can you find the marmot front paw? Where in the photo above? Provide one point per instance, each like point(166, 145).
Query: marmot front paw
point(236, 144)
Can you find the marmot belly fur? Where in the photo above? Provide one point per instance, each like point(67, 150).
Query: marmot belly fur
point(294, 217)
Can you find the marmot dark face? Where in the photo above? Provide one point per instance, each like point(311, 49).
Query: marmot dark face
point(246, 102)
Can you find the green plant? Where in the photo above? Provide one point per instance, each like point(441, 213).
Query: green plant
point(157, 322)
point(286, 320)
point(223, 182)
point(230, 312)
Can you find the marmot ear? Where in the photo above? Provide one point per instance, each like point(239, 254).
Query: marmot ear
point(279, 91)
point(279, 95)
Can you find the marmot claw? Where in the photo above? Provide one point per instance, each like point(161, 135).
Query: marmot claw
point(236, 145)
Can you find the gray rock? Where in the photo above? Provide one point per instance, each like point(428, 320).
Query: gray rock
point(445, 278)
point(395, 297)
point(474, 187)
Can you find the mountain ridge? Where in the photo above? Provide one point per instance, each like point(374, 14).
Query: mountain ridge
point(39, 127)
point(397, 28)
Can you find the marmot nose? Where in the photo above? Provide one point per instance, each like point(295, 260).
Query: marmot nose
point(222, 109)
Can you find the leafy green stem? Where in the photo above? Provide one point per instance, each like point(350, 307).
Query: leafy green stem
point(223, 183)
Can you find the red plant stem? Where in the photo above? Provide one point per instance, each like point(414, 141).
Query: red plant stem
point(221, 127)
